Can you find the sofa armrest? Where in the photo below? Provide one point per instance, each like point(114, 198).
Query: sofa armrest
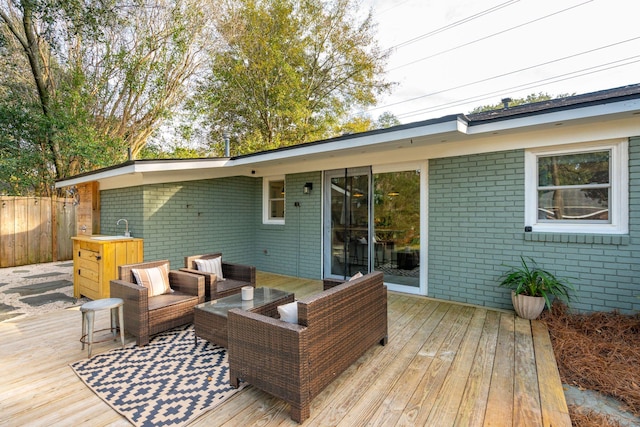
point(192, 284)
point(273, 356)
point(209, 278)
point(136, 305)
point(328, 283)
point(240, 272)
point(254, 338)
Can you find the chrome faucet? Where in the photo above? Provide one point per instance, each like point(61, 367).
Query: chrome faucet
point(126, 227)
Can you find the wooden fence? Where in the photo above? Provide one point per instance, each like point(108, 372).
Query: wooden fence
point(36, 229)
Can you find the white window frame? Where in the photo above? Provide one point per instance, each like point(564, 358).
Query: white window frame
point(266, 201)
point(619, 195)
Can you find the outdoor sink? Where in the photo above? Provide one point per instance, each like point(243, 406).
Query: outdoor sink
point(110, 237)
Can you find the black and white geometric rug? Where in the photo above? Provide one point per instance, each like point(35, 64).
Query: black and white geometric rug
point(170, 381)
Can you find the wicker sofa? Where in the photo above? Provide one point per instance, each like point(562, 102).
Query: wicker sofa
point(295, 362)
point(145, 316)
point(235, 276)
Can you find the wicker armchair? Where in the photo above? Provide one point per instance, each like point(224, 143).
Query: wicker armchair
point(145, 316)
point(295, 362)
point(235, 276)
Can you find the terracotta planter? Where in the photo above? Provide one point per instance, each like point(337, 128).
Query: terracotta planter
point(527, 307)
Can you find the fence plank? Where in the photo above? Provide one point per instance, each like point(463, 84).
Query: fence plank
point(45, 228)
point(7, 232)
point(35, 230)
point(22, 227)
point(65, 228)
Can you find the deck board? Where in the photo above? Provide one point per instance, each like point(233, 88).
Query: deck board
point(444, 364)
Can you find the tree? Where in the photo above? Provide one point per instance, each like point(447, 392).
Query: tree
point(289, 71)
point(140, 70)
point(529, 99)
point(83, 81)
point(366, 123)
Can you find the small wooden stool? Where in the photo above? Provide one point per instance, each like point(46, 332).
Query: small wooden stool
point(88, 315)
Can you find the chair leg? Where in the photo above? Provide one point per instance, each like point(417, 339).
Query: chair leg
point(90, 323)
point(84, 329)
point(121, 323)
point(114, 325)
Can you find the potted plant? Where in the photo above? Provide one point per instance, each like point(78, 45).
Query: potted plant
point(532, 288)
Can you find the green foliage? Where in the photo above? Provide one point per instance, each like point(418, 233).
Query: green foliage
point(529, 99)
point(81, 82)
point(153, 151)
point(289, 71)
point(21, 161)
point(25, 154)
point(387, 120)
point(365, 123)
point(534, 281)
point(397, 205)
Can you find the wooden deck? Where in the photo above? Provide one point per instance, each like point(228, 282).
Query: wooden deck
point(445, 365)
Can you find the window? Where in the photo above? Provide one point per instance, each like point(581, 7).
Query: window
point(273, 200)
point(582, 189)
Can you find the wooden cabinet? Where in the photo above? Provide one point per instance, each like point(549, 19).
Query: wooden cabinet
point(95, 263)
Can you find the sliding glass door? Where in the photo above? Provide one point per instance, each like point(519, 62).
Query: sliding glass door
point(396, 226)
point(346, 222)
point(372, 221)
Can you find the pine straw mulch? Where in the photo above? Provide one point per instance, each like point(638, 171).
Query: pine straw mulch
point(597, 351)
point(589, 418)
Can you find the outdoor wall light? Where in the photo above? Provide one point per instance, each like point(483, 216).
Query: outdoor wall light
point(307, 188)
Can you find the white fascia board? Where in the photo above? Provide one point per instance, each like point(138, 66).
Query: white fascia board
point(108, 173)
point(357, 142)
point(180, 165)
point(133, 173)
point(584, 113)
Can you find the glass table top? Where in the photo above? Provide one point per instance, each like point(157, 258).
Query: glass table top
point(261, 296)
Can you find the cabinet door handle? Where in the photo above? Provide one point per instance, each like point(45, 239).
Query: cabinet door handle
point(98, 258)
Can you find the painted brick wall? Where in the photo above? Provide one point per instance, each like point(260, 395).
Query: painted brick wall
point(476, 221)
point(188, 218)
point(222, 215)
point(293, 248)
point(126, 203)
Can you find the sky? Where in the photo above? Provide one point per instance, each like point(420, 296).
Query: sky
point(449, 56)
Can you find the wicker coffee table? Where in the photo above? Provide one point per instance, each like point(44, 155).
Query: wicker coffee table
point(210, 318)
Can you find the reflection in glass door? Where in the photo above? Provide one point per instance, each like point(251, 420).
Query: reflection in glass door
point(396, 231)
point(346, 230)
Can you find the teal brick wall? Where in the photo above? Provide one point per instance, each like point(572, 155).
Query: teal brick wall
point(126, 203)
point(180, 219)
point(294, 248)
point(476, 221)
point(221, 215)
point(475, 224)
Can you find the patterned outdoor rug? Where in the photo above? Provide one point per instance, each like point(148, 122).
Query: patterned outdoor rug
point(171, 381)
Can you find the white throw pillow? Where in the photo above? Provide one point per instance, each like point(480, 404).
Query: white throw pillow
point(156, 279)
point(356, 276)
point(212, 265)
point(289, 312)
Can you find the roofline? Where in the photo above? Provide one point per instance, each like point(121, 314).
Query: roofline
point(139, 166)
point(607, 96)
point(597, 104)
point(347, 137)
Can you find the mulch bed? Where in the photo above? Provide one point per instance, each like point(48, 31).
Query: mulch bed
point(597, 351)
point(589, 418)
